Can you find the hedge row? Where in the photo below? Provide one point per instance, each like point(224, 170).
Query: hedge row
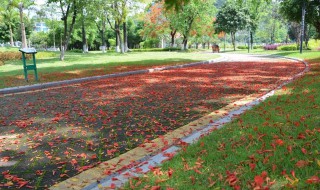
point(246, 47)
point(6, 56)
point(155, 49)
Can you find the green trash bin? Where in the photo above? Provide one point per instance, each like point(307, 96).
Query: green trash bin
point(26, 67)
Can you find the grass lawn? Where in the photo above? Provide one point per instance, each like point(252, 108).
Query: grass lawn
point(274, 145)
point(78, 65)
point(50, 135)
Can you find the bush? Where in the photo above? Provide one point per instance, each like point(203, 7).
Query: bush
point(257, 47)
point(6, 56)
point(242, 47)
point(45, 54)
point(155, 49)
point(270, 47)
point(288, 47)
point(75, 51)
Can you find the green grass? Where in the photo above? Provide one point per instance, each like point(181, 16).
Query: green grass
point(4, 49)
point(279, 139)
point(95, 63)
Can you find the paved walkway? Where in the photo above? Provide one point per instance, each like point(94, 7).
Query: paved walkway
point(139, 160)
point(114, 173)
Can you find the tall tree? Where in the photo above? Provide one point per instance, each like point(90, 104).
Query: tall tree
point(253, 7)
point(69, 8)
point(191, 14)
point(21, 5)
point(101, 15)
point(117, 14)
point(292, 10)
point(230, 19)
point(9, 15)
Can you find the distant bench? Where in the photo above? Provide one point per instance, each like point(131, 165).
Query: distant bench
point(215, 48)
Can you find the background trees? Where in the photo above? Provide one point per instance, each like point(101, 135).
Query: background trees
point(119, 25)
point(291, 10)
point(232, 18)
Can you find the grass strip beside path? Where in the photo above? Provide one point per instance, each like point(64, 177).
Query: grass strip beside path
point(274, 145)
point(78, 65)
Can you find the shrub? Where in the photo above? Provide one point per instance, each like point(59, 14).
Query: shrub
point(288, 47)
point(75, 50)
point(270, 47)
point(155, 49)
point(242, 47)
point(257, 47)
point(6, 56)
point(45, 54)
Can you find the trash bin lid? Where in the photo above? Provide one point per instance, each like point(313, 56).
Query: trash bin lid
point(28, 50)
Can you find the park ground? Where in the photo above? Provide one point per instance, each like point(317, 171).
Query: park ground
point(54, 134)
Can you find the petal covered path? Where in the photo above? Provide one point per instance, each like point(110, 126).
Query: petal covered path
point(49, 135)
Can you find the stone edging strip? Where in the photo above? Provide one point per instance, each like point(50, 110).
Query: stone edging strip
point(88, 79)
point(117, 171)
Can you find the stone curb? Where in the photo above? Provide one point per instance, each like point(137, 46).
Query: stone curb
point(88, 79)
point(141, 157)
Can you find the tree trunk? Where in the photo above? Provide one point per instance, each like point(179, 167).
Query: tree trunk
point(197, 45)
point(120, 40)
point(251, 39)
point(84, 38)
point(103, 40)
point(11, 35)
point(125, 37)
point(54, 40)
point(233, 40)
point(208, 45)
point(185, 43)
point(23, 30)
point(173, 33)
point(67, 34)
point(116, 26)
point(306, 35)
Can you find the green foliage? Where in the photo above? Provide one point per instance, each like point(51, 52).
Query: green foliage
point(231, 18)
point(257, 47)
point(150, 43)
point(10, 55)
point(271, 28)
point(242, 47)
point(75, 51)
point(314, 44)
point(45, 54)
point(292, 10)
point(155, 49)
point(112, 42)
point(288, 47)
point(39, 39)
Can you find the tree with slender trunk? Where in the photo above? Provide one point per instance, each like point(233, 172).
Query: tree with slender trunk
point(190, 15)
point(9, 16)
point(101, 20)
point(230, 19)
point(125, 36)
point(21, 5)
point(69, 8)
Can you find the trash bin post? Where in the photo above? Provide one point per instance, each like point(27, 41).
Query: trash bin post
point(26, 67)
point(35, 66)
